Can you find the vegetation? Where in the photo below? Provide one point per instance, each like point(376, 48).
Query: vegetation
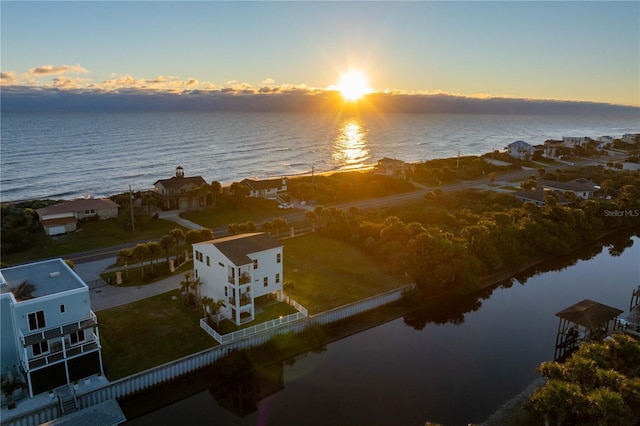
point(149, 332)
point(252, 210)
point(598, 385)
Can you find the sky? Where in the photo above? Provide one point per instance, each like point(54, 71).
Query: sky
point(558, 51)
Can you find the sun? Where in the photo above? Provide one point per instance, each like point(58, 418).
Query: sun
point(353, 85)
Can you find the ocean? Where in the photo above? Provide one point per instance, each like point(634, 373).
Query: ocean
point(61, 155)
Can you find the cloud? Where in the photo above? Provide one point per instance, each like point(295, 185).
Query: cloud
point(61, 69)
point(7, 77)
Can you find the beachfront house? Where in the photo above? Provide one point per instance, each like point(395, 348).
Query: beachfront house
point(573, 142)
point(521, 150)
point(177, 192)
point(392, 167)
point(239, 269)
point(49, 332)
point(269, 188)
point(630, 137)
point(604, 141)
point(61, 218)
point(551, 147)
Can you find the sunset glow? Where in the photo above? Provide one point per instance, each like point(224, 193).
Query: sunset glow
point(353, 85)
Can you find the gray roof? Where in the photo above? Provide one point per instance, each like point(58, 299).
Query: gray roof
point(589, 314)
point(39, 279)
point(237, 248)
point(79, 205)
point(257, 185)
point(520, 145)
point(578, 185)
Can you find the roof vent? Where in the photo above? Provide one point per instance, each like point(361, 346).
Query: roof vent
point(54, 274)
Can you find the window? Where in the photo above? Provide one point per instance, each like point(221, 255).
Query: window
point(62, 309)
point(76, 336)
point(40, 348)
point(277, 278)
point(220, 263)
point(199, 256)
point(266, 281)
point(36, 320)
point(279, 257)
point(226, 291)
point(208, 261)
point(255, 264)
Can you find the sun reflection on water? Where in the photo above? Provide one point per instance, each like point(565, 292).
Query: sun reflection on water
point(350, 150)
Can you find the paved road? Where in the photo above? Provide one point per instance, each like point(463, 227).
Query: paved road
point(90, 264)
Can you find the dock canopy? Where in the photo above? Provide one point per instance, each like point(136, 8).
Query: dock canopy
point(589, 314)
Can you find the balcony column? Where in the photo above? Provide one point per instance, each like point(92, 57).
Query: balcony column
point(64, 352)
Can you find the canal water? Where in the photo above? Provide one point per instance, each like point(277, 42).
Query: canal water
point(453, 365)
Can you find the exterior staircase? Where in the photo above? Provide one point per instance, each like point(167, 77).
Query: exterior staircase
point(67, 399)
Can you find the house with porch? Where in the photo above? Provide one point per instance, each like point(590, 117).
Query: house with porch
point(521, 150)
point(269, 188)
point(176, 192)
point(49, 332)
point(237, 270)
point(63, 217)
point(392, 167)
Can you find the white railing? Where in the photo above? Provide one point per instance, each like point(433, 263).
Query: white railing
point(298, 306)
point(172, 370)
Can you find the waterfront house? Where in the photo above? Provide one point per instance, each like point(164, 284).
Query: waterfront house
point(177, 191)
point(269, 188)
point(630, 137)
point(572, 142)
point(603, 141)
point(49, 332)
point(521, 150)
point(537, 197)
point(237, 270)
point(63, 217)
point(581, 187)
point(392, 167)
point(550, 148)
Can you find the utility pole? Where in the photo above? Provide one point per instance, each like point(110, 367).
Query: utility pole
point(458, 162)
point(313, 186)
point(133, 226)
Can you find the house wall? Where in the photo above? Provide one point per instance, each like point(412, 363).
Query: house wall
point(267, 268)
point(8, 337)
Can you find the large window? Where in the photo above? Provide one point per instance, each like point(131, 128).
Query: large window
point(277, 278)
point(36, 320)
point(76, 336)
point(255, 264)
point(266, 281)
point(279, 257)
point(40, 348)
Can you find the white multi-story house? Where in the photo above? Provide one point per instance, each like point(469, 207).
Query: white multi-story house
point(49, 332)
point(269, 188)
point(572, 142)
point(237, 270)
point(521, 150)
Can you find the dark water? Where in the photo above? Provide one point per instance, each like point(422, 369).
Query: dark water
point(454, 365)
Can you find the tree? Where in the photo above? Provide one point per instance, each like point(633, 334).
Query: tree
point(215, 189)
point(287, 287)
point(206, 234)
point(492, 177)
point(155, 251)
point(185, 286)
point(167, 242)
point(195, 285)
point(212, 307)
point(279, 224)
point(141, 252)
point(126, 256)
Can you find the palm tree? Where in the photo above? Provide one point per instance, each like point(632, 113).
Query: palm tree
point(141, 253)
point(185, 285)
point(212, 307)
point(215, 189)
point(287, 287)
point(178, 238)
point(155, 251)
point(206, 234)
point(125, 256)
point(195, 284)
point(167, 242)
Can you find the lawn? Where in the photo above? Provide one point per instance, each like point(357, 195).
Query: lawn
point(91, 235)
point(327, 273)
point(253, 210)
point(150, 332)
point(132, 277)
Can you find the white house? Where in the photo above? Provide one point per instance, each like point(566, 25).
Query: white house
point(572, 142)
point(521, 150)
point(237, 270)
point(392, 167)
point(63, 217)
point(630, 137)
point(266, 188)
point(49, 332)
point(604, 141)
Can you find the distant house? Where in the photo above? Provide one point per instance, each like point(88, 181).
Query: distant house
point(266, 188)
point(573, 142)
point(630, 137)
point(392, 167)
point(237, 270)
point(521, 150)
point(582, 187)
point(550, 148)
point(61, 218)
point(604, 141)
point(175, 192)
point(49, 332)
point(537, 197)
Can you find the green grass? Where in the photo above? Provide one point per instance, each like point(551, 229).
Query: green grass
point(268, 313)
point(254, 209)
point(328, 273)
point(92, 235)
point(134, 277)
point(149, 332)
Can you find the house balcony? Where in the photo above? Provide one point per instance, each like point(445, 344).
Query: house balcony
point(53, 332)
point(58, 352)
point(242, 279)
point(244, 300)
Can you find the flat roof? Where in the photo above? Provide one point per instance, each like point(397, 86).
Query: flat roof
point(38, 279)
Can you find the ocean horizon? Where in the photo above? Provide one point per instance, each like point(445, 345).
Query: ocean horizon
point(67, 155)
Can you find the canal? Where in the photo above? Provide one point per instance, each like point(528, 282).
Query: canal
point(453, 365)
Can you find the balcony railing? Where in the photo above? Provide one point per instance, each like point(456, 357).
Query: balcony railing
point(242, 279)
point(244, 300)
point(59, 331)
point(63, 353)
